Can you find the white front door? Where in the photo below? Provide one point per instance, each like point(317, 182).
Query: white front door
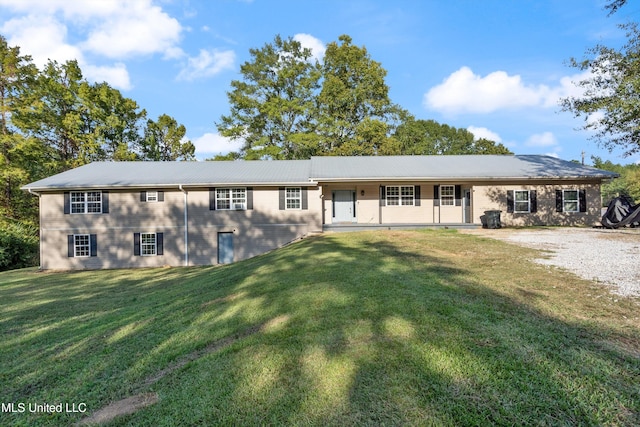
point(344, 206)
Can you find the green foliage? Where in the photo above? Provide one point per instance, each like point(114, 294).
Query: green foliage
point(428, 137)
point(272, 108)
point(610, 103)
point(18, 245)
point(355, 114)
point(289, 106)
point(164, 141)
point(628, 184)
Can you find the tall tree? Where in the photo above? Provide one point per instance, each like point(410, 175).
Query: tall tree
point(55, 114)
point(610, 102)
point(428, 137)
point(111, 123)
point(17, 153)
point(80, 122)
point(355, 114)
point(272, 108)
point(164, 140)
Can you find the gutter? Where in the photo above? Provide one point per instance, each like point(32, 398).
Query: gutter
point(35, 193)
point(186, 227)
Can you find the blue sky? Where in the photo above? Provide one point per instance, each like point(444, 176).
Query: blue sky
point(495, 67)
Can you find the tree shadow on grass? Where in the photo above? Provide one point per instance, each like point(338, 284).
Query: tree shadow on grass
point(346, 330)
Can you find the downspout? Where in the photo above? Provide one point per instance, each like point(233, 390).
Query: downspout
point(186, 227)
point(39, 227)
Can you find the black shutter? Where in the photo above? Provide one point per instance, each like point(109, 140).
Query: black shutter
point(416, 195)
point(383, 195)
point(93, 245)
point(582, 197)
point(559, 201)
point(436, 195)
point(67, 204)
point(281, 200)
point(458, 195)
point(70, 245)
point(510, 201)
point(305, 198)
point(136, 244)
point(533, 198)
point(161, 196)
point(159, 243)
point(249, 198)
point(105, 202)
point(212, 199)
point(143, 196)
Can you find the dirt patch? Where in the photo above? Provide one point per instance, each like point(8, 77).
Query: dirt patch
point(121, 407)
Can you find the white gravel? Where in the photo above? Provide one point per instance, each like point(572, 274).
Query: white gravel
point(611, 257)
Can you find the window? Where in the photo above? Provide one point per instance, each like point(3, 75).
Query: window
point(521, 201)
point(447, 195)
point(147, 244)
point(570, 200)
point(231, 198)
point(400, 195)
point(152, 196)
point(81, 245)
point(293, 198)
point(86, 202)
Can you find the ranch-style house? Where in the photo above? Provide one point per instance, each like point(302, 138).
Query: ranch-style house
point(144, 214)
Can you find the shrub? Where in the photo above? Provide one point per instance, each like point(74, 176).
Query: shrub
point(18, 245)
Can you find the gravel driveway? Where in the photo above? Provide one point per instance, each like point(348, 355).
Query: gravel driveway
point(611, 257)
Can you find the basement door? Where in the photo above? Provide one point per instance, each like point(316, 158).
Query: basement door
point(344, 206)
point(225, 248)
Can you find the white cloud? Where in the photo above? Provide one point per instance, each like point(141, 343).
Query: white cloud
point(115, 29)
point(215, 143)
point(42, 37)
point(482, 132)
point(545, 139)
point(466, 92)
point(308, 41)
point(136, 29)
point(207, 64)
point(116, 75)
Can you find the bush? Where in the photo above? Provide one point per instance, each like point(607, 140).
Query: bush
point(19, 245)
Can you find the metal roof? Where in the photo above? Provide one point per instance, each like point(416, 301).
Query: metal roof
point(317, 169)
point(150, 174)
point(452, 167)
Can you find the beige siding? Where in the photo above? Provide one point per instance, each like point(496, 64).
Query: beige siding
point(489, 196)
point(484, 196)
point(255, 231)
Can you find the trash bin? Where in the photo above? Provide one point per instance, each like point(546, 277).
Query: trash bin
point(492, 219)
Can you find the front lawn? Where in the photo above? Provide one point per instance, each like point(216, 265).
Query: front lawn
point(370, 328)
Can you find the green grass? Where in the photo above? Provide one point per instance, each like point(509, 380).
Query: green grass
point(371, 328)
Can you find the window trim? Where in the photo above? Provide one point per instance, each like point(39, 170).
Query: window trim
point(516, 201)
point(231, 199)
point(85, 202)
point(77, 246)
point(576, 200)
point(297, 198)
point(152, 196)
point(153, 246)
point(400, 196)
point(447, 197)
